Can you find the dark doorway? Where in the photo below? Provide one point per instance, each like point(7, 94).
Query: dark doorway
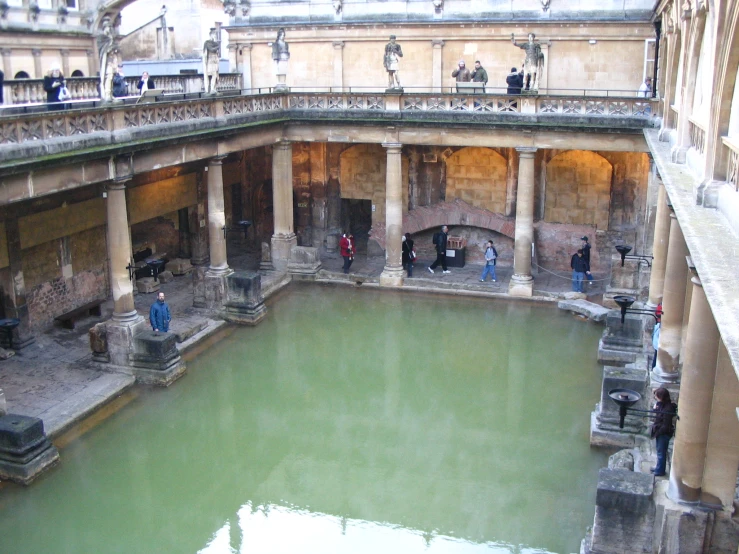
point(356, 217)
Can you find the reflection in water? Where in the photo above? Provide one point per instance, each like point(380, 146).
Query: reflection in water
point(281, 529)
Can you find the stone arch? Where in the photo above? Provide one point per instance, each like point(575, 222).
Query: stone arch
point(578, 189)
point(477, 175)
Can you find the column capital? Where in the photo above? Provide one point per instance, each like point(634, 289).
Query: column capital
point(89, 53)
point(5, 51)
point(672, 213)
point(338, 44)
point(117, 185)
point(36, 52)
point(232, 47)
point(217, 160)
point(283, 144)
point(392, 146)
point(526, 151)
point(437, 42)
point(696, 280)
point(245, 45)
point(64, 52)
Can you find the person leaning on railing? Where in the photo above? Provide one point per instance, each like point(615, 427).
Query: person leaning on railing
point(53, 83)
point(145, 83)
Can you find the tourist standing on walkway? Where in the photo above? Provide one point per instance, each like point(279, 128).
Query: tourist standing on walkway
point(662, 428)
point(585, 246)
point(159, 315)
point(439, 241)
point(120, 88)
point(53, 83)
point(479, 75)
point(462, 74)
point(514, 80)
point(145, 83)
point(491, 256)
point(346, 247)
point(577, 263)
point(409, 254)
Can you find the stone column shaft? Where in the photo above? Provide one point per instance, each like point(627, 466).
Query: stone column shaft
point(673, 304)
point(392, 274)
point(65, 62)
point(696, 397)
point(436, 64)
point(511, 182)
point(522, 283)
point(216, 218)
point(5, 53)
point(37, 69)
point(282, 202)
point(659, 248)
point(690, 70)
point(245, 50)
point(119, 254)
point(338, 65)
point(92, 62)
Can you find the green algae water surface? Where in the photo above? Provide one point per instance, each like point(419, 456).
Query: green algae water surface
point(349, 421)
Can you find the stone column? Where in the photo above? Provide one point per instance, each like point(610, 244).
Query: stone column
point(5, 53)
point(667, 78)
point(119, 253)
point(659, 248)
point(233, 64)
point(92, 63)
point(511, 182)
point(338, 83)
point(392, 274)
point(198, 226)
point(65, 62)
point(673, 304)
point(37, 69)
point(436, 65)
point(522, 283)
point(14, 299)
point(282, 194)
point(690, 70)
point(696, 397)
point(216, 218)
point(245, 50)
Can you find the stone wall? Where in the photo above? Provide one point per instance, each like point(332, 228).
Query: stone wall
point(477, 176)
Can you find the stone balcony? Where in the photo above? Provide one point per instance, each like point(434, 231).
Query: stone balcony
point(33, 135)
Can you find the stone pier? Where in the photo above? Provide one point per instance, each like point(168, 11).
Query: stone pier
point(392, 274)
point(284, 237)
point(522, 282)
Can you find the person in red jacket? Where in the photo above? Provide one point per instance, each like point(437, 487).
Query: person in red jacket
point(346, 247)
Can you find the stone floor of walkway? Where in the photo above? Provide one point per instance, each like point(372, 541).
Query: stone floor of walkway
point(56, 379)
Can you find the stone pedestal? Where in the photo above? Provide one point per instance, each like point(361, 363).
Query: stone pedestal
point(179, 266)
point(622, 343)
point(98, 335)
point(245, 304)
point(147, 285)
point(304, 262)
point(624, 280)
point(25, 451)
point(209, 288)
point(281, 246)
point(165, 277)
point(266, 262)
point(155, 358)
point(120, 339)
point(604, 429)
point(624, 512)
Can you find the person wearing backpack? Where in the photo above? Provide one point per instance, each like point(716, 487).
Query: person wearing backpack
point(409, 254)
point(491, 255)
point(662, 428)
point(439, 241)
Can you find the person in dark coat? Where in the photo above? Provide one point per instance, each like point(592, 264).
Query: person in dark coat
point(514, 81)
point(159, 315)
point(662, 428)
point(120, 88)
point(440, 243)
point(145, 83)
point(53, 83)
point(409, 255)
point(577, 263)
point(2, 78)
point(585, 246)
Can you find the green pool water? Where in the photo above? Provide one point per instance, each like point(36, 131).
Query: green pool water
point(348, 421)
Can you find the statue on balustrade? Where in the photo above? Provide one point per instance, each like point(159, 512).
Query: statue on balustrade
point(533, 64)
point(211, 59)
point(281, 55)
point(109, 58)
point(393, 53)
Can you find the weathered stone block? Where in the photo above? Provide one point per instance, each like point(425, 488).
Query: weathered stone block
point(304, 262)
point(590, 310)
point(245, 303)
point(606, 431)
point(155, 358)
point(623, 459)
point(147, 285)
point(209, 288)
point(621, 343)
point(165, 277)
point(25, 451)
point(99, 342)
point(178, 266)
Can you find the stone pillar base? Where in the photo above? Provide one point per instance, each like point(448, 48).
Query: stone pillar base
point(521, 285)
point(304, 263)
point(282, 245)
point(209, 288)
point(25, 451)
point(659, 375)
point(392, 277)
point(245, 303)
point(120, 333)
point(155, 359)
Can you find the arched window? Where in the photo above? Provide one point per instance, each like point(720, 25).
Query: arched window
point(22, 75)
point(77, 73)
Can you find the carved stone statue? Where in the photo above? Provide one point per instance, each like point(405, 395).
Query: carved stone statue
point(280, 56)
point(393, 53)
point(211, 59)
point(338, 6)
point(108, 53)
point(532, 64)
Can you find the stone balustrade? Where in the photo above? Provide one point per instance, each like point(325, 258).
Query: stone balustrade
point(697, 136)
point(31, 91)
point(732, 155)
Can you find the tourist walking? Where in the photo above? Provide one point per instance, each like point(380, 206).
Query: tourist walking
point(662, 428)
point(159, 315)
point(53, 84)
point(439, 241)
point(462, 74)
point(346, 247)
point(145, 83)
point(577, 263)
point(585, 246)
point(409, 254)
point(491, 255)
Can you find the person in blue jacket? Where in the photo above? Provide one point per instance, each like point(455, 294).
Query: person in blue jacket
point(159, 315)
